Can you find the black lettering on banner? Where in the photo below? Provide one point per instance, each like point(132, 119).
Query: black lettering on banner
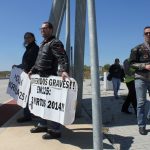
point(72, 85)
point(54, 82)
point(44, 90)
point(12, 86)
point(61, 83)
point(17, 79)
point(55, 105)
point(17, 92)
point(41, 81)
point(39, 101)
point(49, 104)
point(50, 82)
point(67, 84)
point(21, 95)
point(64, 84)
point(15, 89)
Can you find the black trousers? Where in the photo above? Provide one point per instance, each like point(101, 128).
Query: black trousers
point(131, 97)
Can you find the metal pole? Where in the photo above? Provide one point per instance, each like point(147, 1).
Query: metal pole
point(61, 19)
point(80, 20)
point(96, 102)
point(55, 14)
point(68, 28)
point(71, 62)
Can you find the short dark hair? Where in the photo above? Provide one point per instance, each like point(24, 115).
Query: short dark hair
point(29, 33)
point(117, 60)
point(49, 24)
point(147, 27)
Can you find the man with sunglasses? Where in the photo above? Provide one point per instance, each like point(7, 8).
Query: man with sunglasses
point(51, 56)
point(140, 60)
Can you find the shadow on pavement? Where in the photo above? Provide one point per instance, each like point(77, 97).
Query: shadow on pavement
point(7, 111)
point(124, 143)
point(80, 137)
point(111, 111)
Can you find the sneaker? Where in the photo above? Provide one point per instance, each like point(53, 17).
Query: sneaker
point(142, 131)
point(24, 119)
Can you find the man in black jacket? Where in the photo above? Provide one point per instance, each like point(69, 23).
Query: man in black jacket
point(117, 73)
point(28, 60)
point(51, 56)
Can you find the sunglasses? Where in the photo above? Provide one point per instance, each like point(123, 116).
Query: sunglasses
point(147, 33)
point(44, 28)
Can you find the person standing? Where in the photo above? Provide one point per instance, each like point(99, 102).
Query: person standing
point(140, 60)
point(28, 61)
point(51, 60)
point(129, 80)
point(117, 74)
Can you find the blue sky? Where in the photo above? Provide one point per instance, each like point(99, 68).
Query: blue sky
point(120, 26)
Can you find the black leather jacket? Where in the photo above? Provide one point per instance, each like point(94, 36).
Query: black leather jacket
point(29, 57)
point(51, 56)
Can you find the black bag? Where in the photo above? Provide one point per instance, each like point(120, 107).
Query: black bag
point(109, 77)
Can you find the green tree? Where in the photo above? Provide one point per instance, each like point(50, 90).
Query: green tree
point(86, 72)
point(106, 67)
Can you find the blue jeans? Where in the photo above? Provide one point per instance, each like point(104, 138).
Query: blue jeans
point(141, 87)
point(53, 125)
point(116, 85)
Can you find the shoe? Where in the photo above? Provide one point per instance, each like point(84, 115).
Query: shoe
point(142, 131)
point(24, 119)
point(51, 135)
point(38, 129)
point(126, 112)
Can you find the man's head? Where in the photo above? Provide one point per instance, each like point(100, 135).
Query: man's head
point(147, 34)
point(117, 61)
point(46, 30)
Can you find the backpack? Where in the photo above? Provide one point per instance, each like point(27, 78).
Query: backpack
point(127, 68)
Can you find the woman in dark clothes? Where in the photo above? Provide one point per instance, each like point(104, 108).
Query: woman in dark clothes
point(28, 61)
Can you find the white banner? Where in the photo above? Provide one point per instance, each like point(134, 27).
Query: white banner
point(19, 86)
point(53, 98)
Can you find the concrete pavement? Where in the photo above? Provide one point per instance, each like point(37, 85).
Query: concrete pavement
point(14, 136)
point(122, 134)
point(123, 130)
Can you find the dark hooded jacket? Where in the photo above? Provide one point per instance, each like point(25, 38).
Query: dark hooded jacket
point(29, 57)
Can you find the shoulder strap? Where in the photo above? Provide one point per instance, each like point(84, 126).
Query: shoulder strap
point(137, 55)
